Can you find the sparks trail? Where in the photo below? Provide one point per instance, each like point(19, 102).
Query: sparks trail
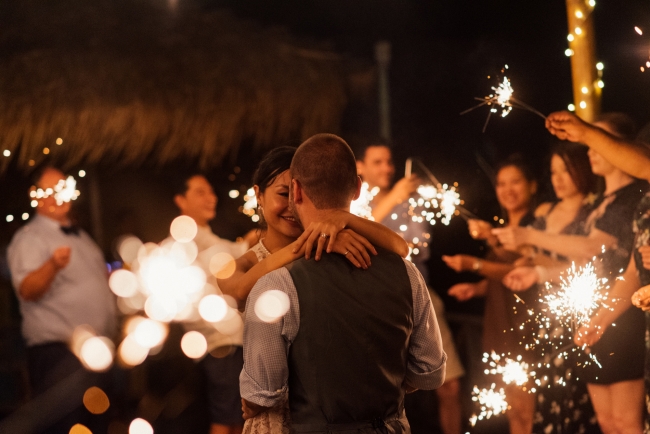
point(503, 98)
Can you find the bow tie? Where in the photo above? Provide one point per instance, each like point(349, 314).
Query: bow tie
point(70, 230)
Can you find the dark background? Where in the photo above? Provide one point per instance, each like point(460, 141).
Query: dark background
point(442, 53)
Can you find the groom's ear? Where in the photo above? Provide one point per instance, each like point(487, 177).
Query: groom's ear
point(358, 192)
point(296, 190)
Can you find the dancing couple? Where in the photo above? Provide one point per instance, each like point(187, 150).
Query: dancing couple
point(360, 331)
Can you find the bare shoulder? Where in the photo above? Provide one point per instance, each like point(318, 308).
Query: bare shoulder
point(543, 209)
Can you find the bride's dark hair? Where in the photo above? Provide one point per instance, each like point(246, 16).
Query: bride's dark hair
point(273, 164)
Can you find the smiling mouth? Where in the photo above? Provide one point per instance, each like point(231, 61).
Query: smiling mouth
point(289, 218)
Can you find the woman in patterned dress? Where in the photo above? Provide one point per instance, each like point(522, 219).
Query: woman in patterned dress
point(285, 241)
point(563, 404)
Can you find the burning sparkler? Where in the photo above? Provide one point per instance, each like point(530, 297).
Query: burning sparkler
point(512, 371)
point(502, 96)
point(64, 191)
point(361, 206)
point(491, 402)
point(581, 292)
point(434, 203)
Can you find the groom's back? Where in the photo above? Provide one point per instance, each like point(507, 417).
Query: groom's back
point(348, 361)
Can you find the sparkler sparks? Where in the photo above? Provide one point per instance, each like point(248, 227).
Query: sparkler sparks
point(361, 206)
point(64, 191)
point(502, 96)
point(512, 371)
point(491, 402)
point(581, 292)
point(639, 31)
point(434, 203)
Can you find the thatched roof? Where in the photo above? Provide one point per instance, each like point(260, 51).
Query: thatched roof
point(128, 81)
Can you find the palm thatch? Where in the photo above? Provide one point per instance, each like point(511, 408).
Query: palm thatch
point(129, 81)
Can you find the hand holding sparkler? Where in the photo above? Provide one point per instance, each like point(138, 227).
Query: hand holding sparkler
point(641, 298)
point(403, 188)
point(521, 278)
point(479, 229)
point(589, 334)
point(567, 126)
point(511, 237)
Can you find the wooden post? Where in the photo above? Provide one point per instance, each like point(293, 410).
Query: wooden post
point(382, 55)
point(587, 86)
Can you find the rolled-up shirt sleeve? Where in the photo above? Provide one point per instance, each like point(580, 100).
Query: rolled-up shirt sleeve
point(263, 380)
point(427, 360)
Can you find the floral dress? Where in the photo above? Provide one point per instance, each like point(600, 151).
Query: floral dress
point(276, 420)
point(563, 404)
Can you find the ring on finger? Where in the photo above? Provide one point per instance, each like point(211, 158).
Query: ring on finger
point(346, 253)
point(324, 235)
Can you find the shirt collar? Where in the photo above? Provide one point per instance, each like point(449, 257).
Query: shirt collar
point(47, 221)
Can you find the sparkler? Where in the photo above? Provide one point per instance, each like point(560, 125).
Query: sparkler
point(512, 371)
point(491, 402)
point(361, 206)
point(64, 191)
point(502, 97)
point(579, 295)
point(434, 202)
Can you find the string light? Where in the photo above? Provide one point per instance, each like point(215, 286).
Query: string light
point(6, 152)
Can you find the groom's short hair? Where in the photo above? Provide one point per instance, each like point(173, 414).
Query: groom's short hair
point(325, 167)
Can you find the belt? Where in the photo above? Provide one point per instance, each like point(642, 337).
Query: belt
point(377, 424)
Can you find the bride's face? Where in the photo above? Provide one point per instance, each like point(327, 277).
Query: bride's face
point(275, 207)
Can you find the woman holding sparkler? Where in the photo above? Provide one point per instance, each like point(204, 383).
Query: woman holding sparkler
point(563, 406)
point(616, 388)
point(515, 191)
point(285, 241)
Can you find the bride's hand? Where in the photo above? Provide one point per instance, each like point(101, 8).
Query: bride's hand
point(354, 247)
point(322, 234)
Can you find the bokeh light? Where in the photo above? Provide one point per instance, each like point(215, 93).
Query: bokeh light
point(128, 247)
point(140, 426)
point(272, 305)
point(131, 353)
point(123, 283)
point(97, 353)
point(222, 265)
point(194, 345)
point(79, 429)
point(183, 229)
point(213, 308)
point(96, 401)
point(149, 333)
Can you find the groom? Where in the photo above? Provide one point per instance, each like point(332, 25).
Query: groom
point(353, 341)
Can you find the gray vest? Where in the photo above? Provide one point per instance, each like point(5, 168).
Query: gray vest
point(347, 364)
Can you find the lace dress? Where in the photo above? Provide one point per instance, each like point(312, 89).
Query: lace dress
point(275, 420)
